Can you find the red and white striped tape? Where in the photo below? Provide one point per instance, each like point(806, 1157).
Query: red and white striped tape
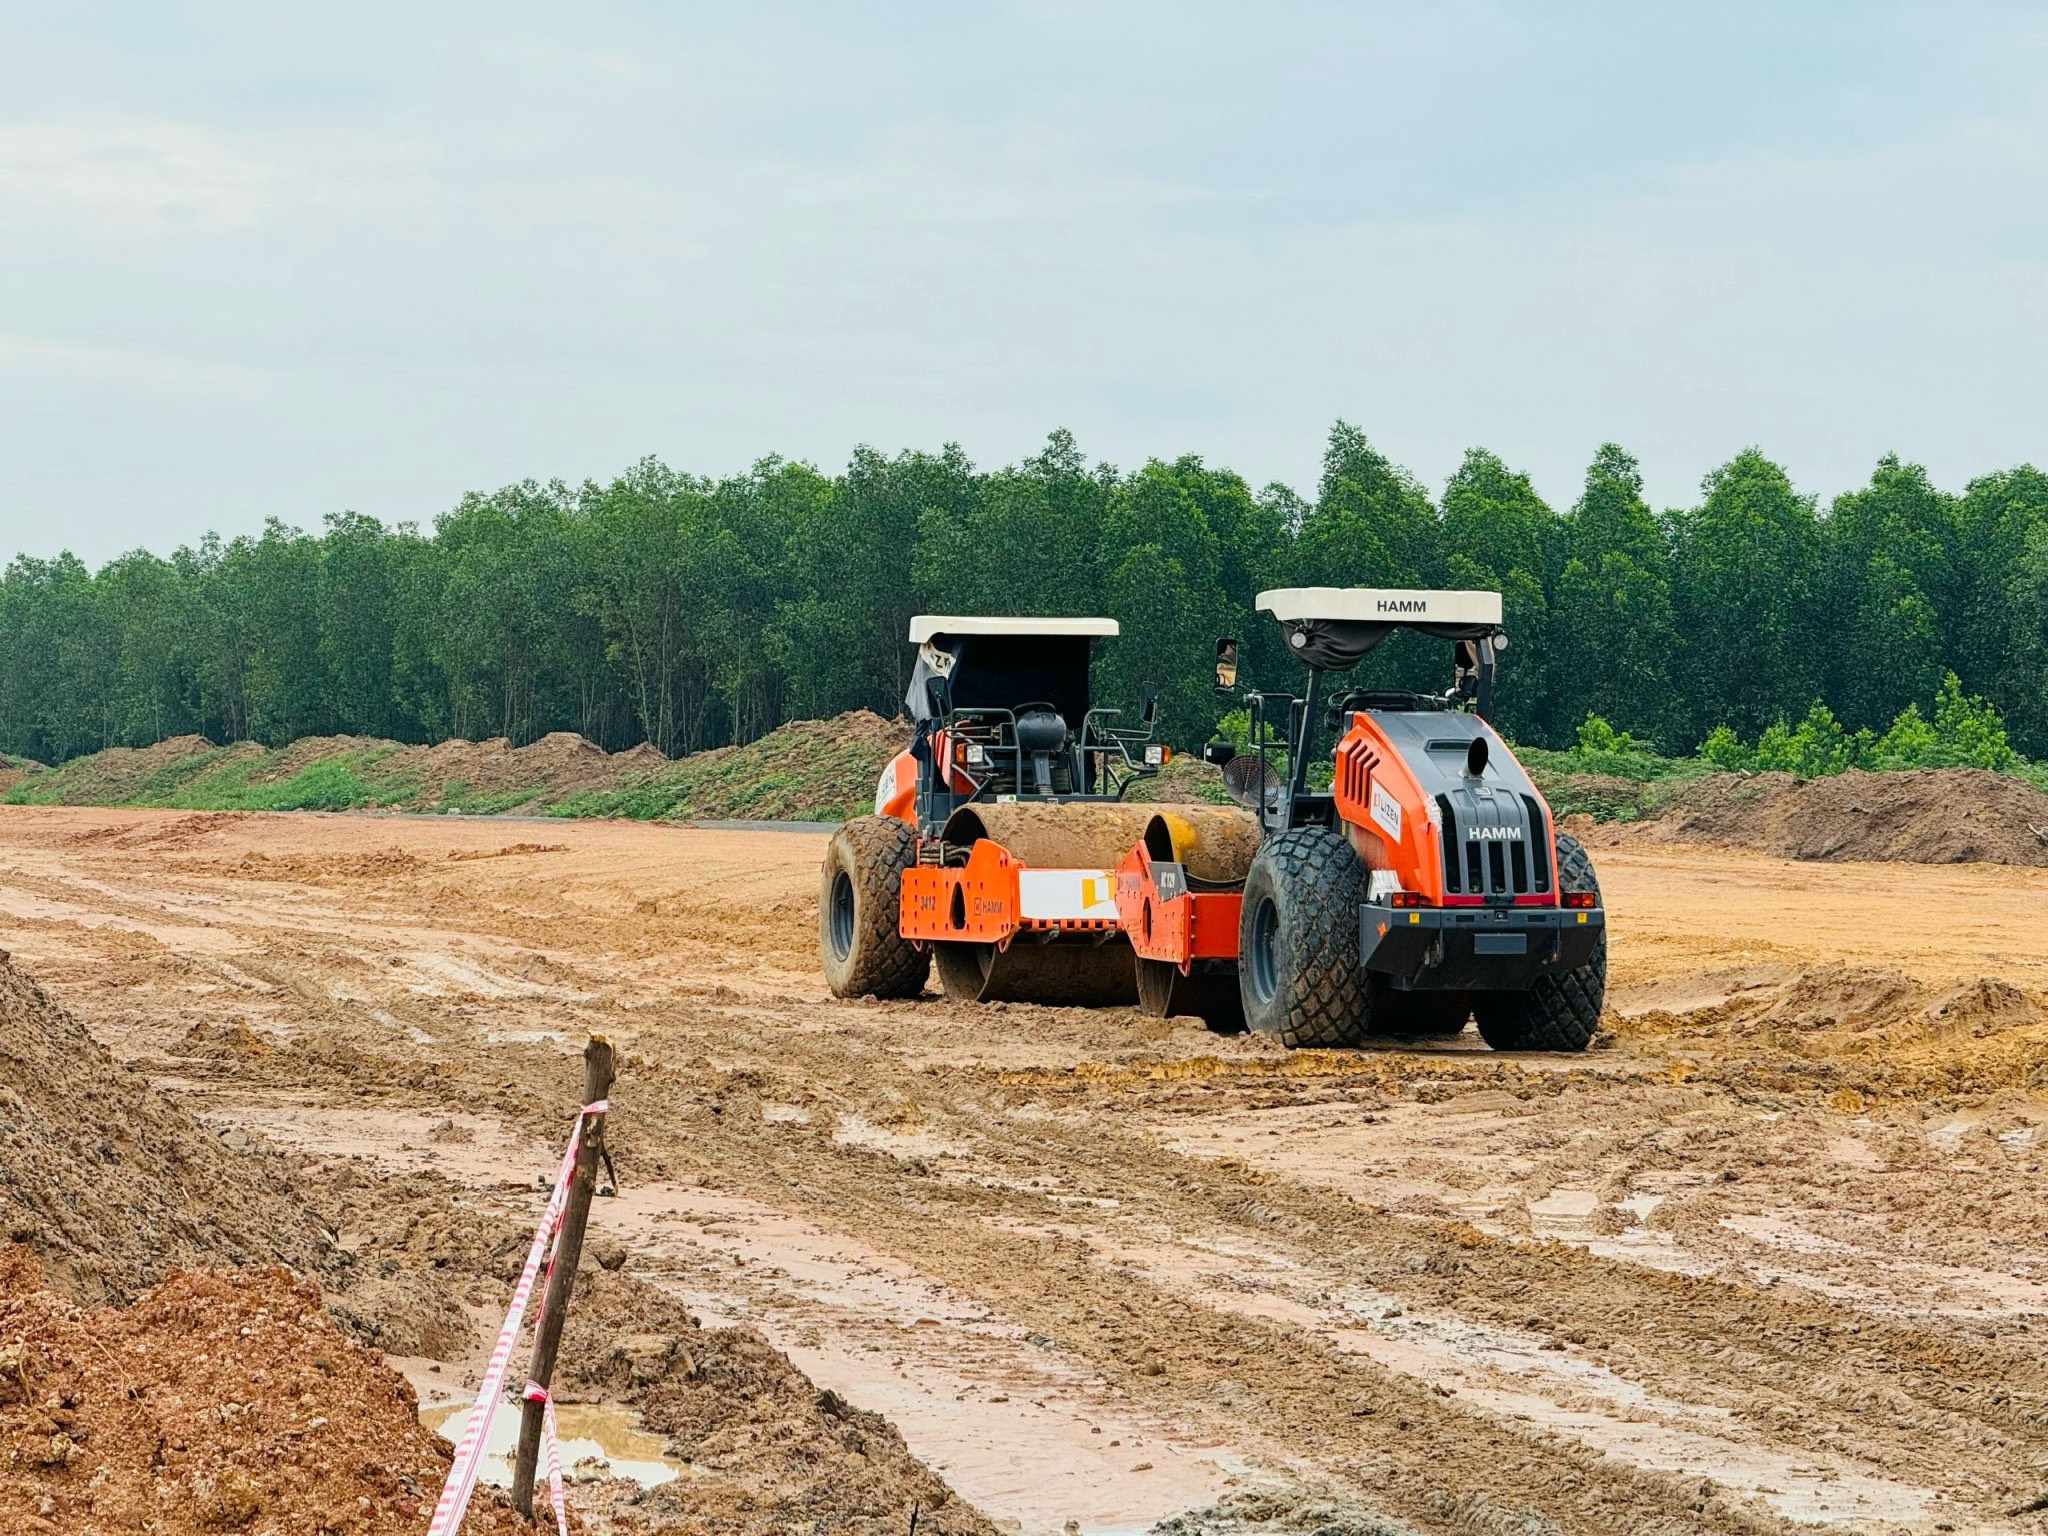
point(469, 1455)
point(554, 1449)
point(550, 1444)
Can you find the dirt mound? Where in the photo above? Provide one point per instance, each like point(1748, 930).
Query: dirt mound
point(1186, 778)
point(121, 775)
point(302, 754)
point(1864, 1032)
point(182, 833)
point(1926, 816)
point(769, 1451)
point(214, 1403)
point(808, 770)
point(109, 1182)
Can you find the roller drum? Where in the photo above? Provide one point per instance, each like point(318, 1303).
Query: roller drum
point(1086, 970)
point(1095, 974)
point(1052, 835)
point(1214, 843)
point(1210, 996)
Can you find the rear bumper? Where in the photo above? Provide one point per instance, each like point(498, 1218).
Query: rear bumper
point(1439, 948)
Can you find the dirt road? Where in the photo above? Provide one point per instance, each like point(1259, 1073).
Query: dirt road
point(1774, 1254)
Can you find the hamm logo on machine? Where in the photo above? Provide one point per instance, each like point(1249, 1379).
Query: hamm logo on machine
point(1404, 605)
point(1496, 834)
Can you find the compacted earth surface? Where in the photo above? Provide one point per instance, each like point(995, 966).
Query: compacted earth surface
point(1772, 1256)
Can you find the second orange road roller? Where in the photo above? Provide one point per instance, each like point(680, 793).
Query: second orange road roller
point(992, 853)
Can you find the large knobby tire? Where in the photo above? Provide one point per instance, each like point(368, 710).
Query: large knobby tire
point(1300, 973)
point(860, 939)
point(1562, 1010)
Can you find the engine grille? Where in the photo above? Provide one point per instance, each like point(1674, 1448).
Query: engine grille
point(1495, 867)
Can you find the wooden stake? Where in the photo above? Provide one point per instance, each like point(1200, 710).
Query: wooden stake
point(554, 1309)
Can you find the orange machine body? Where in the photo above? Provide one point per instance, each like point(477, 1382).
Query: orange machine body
point(896, 793)
point(1165, 920)
point(1394, 822)
point(995, 896)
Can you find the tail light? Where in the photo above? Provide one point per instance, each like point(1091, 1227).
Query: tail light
point(1579, 899)
point(1156, 756)
point(1405, 899)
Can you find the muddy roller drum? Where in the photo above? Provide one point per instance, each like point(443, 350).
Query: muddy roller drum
point(1088, 967)
point(1214, 844)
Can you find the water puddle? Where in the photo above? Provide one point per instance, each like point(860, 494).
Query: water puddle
point(597, 1440)
point(1003, 1415)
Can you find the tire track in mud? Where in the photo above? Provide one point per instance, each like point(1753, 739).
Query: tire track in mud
point(1057, 1182)
point(1968, 1417)
point(1774, 1363)
point(1369, 1432)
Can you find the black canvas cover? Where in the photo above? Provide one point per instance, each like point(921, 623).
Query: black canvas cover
point(1334, 645)
point(1004, 671)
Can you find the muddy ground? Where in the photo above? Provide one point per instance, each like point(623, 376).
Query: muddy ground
point(1773, 1255)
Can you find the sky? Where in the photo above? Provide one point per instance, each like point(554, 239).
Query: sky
point(262, 260)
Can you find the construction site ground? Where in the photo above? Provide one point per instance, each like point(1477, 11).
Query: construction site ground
point(1773, 1255)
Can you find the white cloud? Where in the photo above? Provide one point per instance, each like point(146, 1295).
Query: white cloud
point(41, 364)
point(139, 175)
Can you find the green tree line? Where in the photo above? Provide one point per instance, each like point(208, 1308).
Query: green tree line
point(693, 612)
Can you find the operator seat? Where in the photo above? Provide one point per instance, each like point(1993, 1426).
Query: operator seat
point(1040, 734)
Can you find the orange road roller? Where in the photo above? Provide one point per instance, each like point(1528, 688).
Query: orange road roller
point(992, 853)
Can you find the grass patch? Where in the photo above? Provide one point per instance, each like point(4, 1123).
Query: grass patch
point(328, 785)
point(215, 783)
point(1608, 785)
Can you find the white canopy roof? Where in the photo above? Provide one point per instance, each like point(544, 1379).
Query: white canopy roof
point(926, 625)
point(1381, 605)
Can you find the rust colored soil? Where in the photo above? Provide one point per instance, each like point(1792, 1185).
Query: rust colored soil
point(1926, 816)
point(212, 1404)
point(1770, 1257)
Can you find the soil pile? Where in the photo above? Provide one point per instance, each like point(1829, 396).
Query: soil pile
point(214, 1403)
point(1921, 816)
point(768, 1451)
point(560, 763)
point(235, 1400)
point(807, 770)
point(109, 1182)
point(133, 775)
point(1186, 778)
point(1869, 1032)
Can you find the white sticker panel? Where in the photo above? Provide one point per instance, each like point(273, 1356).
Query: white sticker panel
point(1386, 810)
point(1066, 894)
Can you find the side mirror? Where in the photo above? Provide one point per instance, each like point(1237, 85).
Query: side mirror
point(938, 694)
point(1148, 704)
point(1217, 753)
point(1226, 664)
